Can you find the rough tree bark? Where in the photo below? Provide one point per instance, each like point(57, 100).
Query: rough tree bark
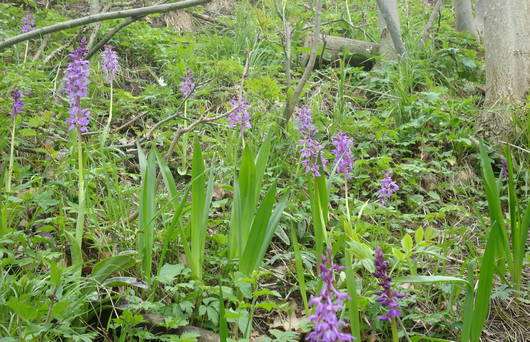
point(389, 24)
point(479, 18)
point(464, 16)
point(507, 45)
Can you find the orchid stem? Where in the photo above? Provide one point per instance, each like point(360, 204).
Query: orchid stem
point(26, 51)
point(393, 325)
point(107, 127)
point(4, 229)
point(77, 255)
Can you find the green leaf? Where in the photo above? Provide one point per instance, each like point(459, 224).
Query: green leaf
point(418, 235)
point(24, 309)
point(169, 272)
point(407, 243)
point(430, 279)
point(147, 213)
point(260, 234)
point(124, 281)
point(201, 199)
point(353, 303)
point(107, 267)
point(223, 325)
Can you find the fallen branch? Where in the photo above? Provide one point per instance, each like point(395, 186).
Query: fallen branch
point(135, 12)
point(292, 100)
point(360, 52)
point(433, 16)
point(209, 19)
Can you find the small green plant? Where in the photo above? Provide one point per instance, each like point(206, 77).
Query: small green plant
point(252, 227)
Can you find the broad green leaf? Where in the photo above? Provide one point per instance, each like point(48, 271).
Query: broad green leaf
point(124, 281)
point(494, 207)
point(109, 266)
point(25, 309)
point(407, 243)
point(261, 163)
point(250, 258)
point(201, 196)
point(485, 285)
point(147, 214)
point(169, 272)
point(418, 235)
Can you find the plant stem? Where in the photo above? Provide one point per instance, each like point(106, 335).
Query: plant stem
point(3, 229)
point(107, 127)
point(393, 325)
point(26, 51)
point(77, 255)
point(11, 157)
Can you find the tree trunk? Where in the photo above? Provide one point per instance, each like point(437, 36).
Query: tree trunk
point(464, 16)
point(389, 25)
point(479, 18)
point(507, 45)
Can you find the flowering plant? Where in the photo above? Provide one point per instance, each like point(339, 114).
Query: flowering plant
point(329, 302)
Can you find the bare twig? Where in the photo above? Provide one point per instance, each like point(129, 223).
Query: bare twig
point(111, 34)
point(515, 146)
point(135, 12)
point(62, 47)
point(286, 40)
point(130, 122)
point(247, 65)
point(434, 14)
point(292, 100)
